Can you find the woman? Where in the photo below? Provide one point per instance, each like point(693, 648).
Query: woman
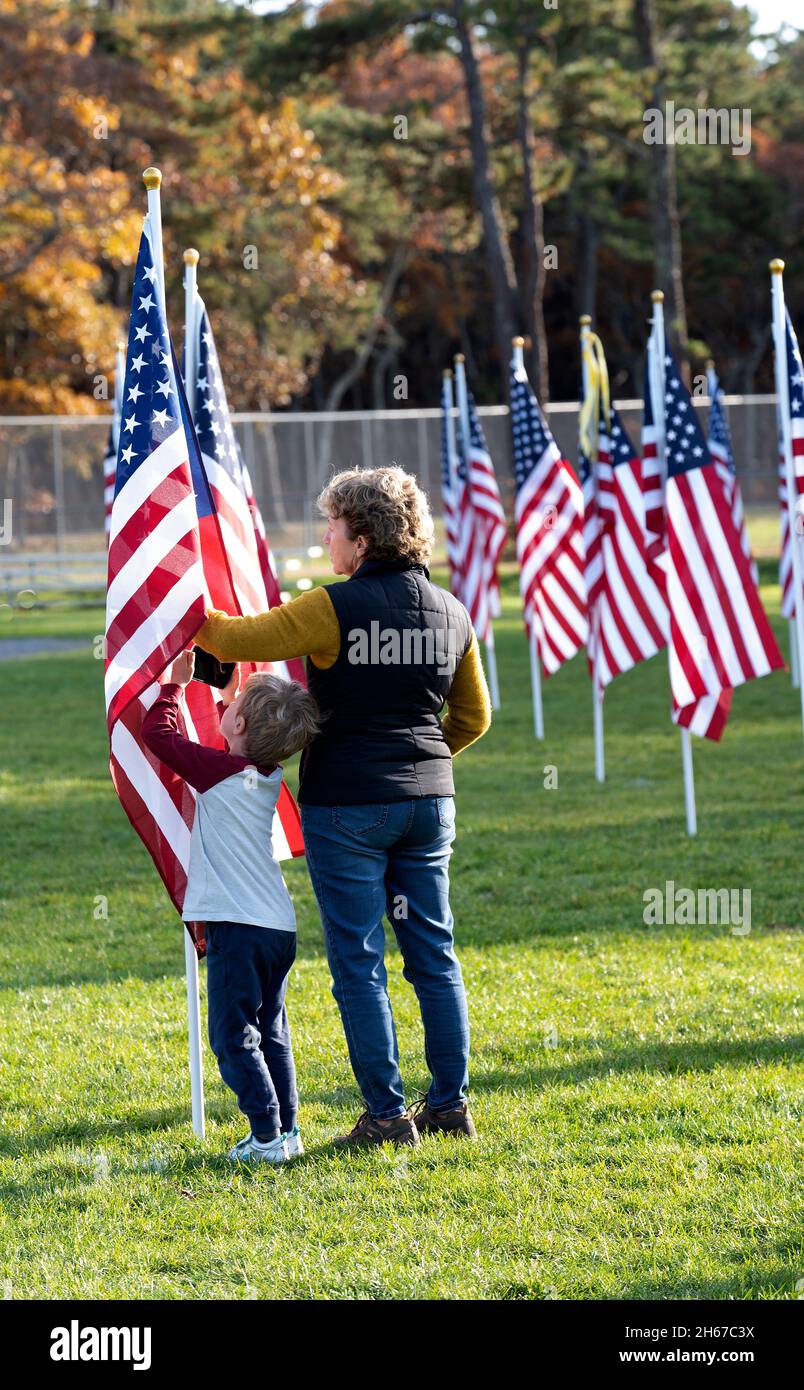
point(385, 651)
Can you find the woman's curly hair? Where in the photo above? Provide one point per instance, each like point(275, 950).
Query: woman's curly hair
point(387, 506)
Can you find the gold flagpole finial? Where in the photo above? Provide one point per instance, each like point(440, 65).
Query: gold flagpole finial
point(710, 364)
point(121, 346)
point(447, 374)
point(152, 177)
point(585, 320)
point(657, 297)
point(518, 342)
point(459, 357)
point(776, 266)
point(191, 256)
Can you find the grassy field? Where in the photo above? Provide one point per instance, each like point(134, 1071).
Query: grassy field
point(634, 1086)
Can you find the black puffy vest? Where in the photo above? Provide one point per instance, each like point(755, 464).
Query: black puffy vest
point(402, 639)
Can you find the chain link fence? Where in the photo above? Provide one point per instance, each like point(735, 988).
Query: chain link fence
point(51, 474)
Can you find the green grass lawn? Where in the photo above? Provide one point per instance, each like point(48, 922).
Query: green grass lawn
point(634, 1086)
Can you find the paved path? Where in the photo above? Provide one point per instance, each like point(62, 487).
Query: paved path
point(11, 647)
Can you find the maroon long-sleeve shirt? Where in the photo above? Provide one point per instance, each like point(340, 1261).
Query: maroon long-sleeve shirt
point(232, 875)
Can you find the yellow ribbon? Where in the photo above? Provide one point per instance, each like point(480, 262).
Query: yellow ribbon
point(596, 405)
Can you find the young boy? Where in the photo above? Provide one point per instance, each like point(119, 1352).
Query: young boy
point(235, 886)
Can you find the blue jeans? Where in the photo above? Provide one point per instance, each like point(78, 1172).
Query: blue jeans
point(366, 861)
point(247, 979)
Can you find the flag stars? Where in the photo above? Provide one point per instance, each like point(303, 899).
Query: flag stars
point(137, 364)
point(147, 303)
point(142, 333)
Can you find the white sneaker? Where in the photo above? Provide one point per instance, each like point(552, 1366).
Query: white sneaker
point(294, 1143)
point(251, 1150)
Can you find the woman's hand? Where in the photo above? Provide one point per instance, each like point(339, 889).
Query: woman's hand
point(231, 689)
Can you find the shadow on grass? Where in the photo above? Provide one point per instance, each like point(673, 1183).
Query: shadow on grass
point(673, 1059)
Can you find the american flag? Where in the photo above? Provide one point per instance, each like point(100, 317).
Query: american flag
point(485, 501)
point(720, 448)
point(474, 593)
point(628, 619)
point(795, 378)
point(549, 533)
point(719, 634)
point(244, 537)
point(110, 457)
point(449, 485)
point(652, 477)
point(167, 566)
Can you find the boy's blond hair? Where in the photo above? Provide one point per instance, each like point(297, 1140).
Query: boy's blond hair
point(281, 717)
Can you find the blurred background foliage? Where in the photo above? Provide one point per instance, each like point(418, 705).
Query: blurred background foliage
point(375, 184)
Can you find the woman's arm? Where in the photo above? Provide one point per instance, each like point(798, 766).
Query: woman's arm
point(307, 626)
point(469, 705)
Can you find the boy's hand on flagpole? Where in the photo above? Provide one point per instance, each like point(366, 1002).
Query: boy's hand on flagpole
point(230, 691)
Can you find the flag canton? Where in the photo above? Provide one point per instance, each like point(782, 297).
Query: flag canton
point(794, 371)
point(684, 439)
point(151, 410)
point(531, 437)
point(476, 437)
point(622, 450)
point(718, 425)
point(213, 423)
point(620, 447)
point(461, 467)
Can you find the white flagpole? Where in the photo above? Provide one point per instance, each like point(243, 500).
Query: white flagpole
point(597, 702)
point(190, 325)
point(194, 1033)
point(793, 517)
point(463, 412)
point(152, 178)
point(518, 364)
point(794, 658)
point(536, 685)
point(657, 375)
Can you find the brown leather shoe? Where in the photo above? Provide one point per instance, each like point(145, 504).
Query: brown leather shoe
point(457, 1122)
point(400, 1131)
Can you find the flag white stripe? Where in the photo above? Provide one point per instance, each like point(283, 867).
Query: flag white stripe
point(158, 625)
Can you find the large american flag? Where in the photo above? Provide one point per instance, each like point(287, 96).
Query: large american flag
point(628, 618)
point(110, 457)
point(795, 379)
point(485, 501)
point(549, 533)
point(719, 442)
point(167, 566)
point(449, 485)
point(244, 537)
point(719, 633)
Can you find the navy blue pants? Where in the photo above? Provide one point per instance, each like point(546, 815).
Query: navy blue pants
point(247, 977)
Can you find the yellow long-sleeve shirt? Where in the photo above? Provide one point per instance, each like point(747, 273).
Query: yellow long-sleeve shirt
point(308, 626)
